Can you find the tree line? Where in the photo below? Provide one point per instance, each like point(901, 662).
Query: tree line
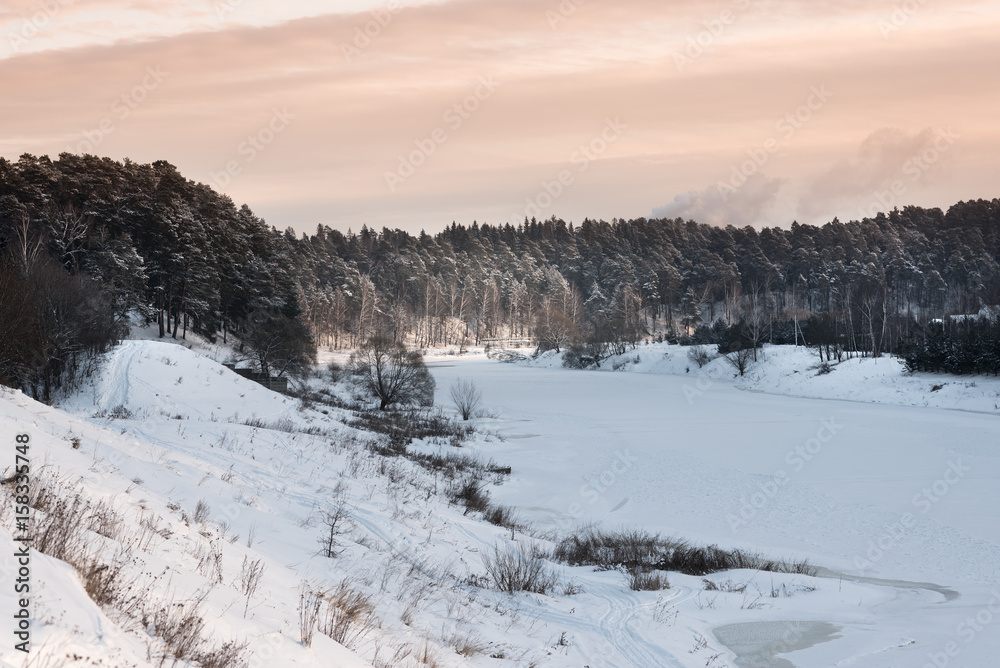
point(90, 245)
point(960, 345)
point(141, 242)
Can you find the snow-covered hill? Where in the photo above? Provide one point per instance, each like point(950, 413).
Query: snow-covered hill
point(795, 372)
point(211, 498)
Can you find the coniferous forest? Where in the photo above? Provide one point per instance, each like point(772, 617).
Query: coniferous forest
point(90, 244)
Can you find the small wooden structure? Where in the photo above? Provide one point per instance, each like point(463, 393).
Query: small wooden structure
point(273, 383)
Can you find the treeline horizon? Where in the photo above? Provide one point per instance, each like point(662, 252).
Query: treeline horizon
point(147, 243)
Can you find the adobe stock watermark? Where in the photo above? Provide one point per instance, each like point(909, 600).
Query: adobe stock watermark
point(562, 12)
point(900, 16)
point(266, 651)
point(705, 379)
point(922, 502)
point(967, 631)
point(768, 489)
point(454, 118)
point(915, 167)
point(581, 160)
point(597, 486)
point(714, 28)
point(786, 127)
point(35, 24)
point(121, 108)
point(255, 144)
point(364, 34)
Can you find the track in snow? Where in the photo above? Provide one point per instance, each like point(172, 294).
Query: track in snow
point(616, 625)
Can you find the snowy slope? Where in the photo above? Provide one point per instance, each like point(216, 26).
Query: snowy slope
point(163, 430)
point(794, 371)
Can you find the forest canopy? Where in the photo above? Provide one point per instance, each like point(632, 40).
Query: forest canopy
point(143, 242)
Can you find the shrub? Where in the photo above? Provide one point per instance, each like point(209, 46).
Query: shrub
point(472, 495)
point(503, 516)
point(584, 355)
point(637, 550)
point(511, 570)
point(403, 426)
point(467, 397)
point(643, 580)
point(741, 359)
point(699, 355)
point(335, 520)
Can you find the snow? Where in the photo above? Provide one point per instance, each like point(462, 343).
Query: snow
point(156, 379)
point(890, 487)
point(794, 371)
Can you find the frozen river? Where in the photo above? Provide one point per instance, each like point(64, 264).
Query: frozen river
point(871, 491)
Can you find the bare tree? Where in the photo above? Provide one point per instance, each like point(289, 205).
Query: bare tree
point(335, 518)
point(27, 247)
point(699, 355)
point(392, 373)
point(368, 306)
point(741, 359)
point(467, 397)
point(755, 319)
point(553, 328)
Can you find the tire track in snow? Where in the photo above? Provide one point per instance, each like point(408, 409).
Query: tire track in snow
point(615, 625)
point(617, 628)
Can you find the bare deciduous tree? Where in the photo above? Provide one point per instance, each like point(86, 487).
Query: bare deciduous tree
point(553, 328)
point(699, 355)
point(741, 359)
point(467, 397)
point(392, 373)
point(334, 520)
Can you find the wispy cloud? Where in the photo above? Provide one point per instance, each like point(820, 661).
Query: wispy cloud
point(881, 159)
point(746, 206)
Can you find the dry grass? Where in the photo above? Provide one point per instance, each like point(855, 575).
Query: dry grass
point(310, 603)
point(349, 614)
point(641, 580)
point(340, 613)
point(635, 549)
point(93, 538)
point(250, 576)
point(510, 570)
point(181, 627)
point(201, 512)
point(466, 643)
point(470, 493)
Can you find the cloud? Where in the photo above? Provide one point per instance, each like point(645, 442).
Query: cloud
point(356, 117)
point(747, 205)
point(880, 159)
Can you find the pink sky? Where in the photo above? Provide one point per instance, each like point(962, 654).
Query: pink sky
point(736, 111)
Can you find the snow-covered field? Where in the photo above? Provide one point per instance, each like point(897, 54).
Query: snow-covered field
point(892, 489)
